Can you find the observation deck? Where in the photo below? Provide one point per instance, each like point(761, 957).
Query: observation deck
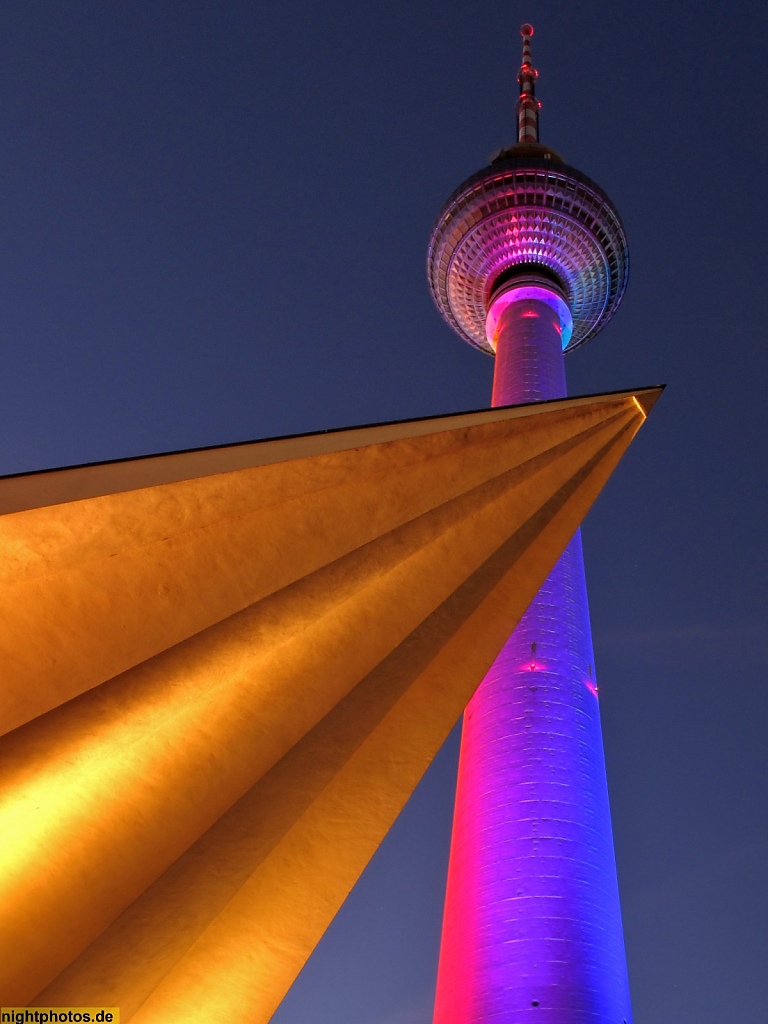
point(528, 211)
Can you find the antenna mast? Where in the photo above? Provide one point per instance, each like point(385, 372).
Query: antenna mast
point(527, 105)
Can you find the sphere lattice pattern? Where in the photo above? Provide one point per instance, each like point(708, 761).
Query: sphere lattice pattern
point(529, 211)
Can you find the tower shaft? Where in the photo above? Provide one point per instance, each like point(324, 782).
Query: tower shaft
point(532, 926)
point(529, 361)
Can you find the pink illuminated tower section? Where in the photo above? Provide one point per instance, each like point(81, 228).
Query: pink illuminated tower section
point(527, 260)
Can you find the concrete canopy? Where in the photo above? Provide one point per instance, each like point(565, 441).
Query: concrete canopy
point(225, 671)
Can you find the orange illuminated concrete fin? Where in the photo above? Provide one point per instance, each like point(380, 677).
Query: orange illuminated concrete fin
point(169, 546)
point(254, 894)
point(130, 773)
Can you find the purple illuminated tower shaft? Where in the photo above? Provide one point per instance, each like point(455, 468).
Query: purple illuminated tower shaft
point(528, 259)
point(532, 921)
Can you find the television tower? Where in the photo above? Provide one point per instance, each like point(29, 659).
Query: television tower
point(528, 260)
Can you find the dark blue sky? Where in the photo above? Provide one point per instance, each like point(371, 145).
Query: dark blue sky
point(213, 227)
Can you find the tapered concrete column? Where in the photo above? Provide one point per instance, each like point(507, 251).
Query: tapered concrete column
point(532, 926)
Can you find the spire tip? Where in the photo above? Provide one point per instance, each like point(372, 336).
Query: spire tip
point(526, 30)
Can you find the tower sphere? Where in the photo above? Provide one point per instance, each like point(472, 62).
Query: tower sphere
point(527, 212)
